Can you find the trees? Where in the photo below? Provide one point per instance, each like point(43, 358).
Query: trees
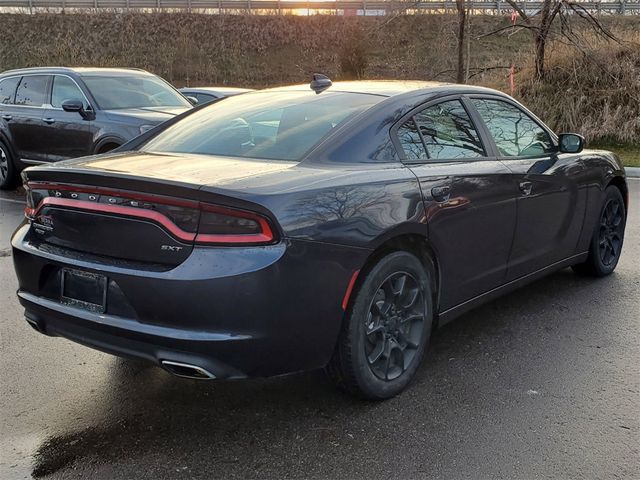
point(462, 23)
point(540, 24)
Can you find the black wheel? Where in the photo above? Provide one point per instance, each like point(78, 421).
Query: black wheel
point(7, 168)
point(107, 148)
point(606, 243)
point(386, 331)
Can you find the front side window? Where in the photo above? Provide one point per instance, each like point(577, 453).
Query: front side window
point(515, 133)
point(32, 90)
point(65, 89)
point(267, 125)
point(8, 89)
point(440, 132)
point(122, 92)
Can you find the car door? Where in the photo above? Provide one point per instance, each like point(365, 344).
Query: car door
point(469, 205)
point(24, 118)
point(68, 134)
point(8, 87)
point(550, 202)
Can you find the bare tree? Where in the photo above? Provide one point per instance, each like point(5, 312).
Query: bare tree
point(540, 24)
point(462, 22)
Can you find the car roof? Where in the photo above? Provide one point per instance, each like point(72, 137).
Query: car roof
point(81, 71)
point(223, 90)
point(390, 88)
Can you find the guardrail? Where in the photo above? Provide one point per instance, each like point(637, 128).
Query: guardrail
point(344, 7)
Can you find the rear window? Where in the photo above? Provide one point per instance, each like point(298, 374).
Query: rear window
point(269, 125)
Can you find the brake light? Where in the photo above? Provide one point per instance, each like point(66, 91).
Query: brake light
point(187, 220)
point(225, 225)
point(29, 210)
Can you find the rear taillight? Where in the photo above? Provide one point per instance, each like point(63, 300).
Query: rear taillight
point(187, 220)
point(225, 225)
point(29, 210)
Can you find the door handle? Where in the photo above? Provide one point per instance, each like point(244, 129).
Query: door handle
point(49, 120)
point(441, 193)
point(7, 117)
point(526, 187)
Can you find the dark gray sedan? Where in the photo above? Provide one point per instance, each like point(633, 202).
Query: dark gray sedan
point(297, 228)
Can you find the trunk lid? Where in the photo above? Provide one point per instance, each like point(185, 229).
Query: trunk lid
point(133, 206)
point(181, 168)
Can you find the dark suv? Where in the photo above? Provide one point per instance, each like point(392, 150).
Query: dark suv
point(50, 114)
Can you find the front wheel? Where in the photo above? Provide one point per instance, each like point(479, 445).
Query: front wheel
point(606, 243)
point(386, 330)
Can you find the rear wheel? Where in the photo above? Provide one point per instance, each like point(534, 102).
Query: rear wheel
point(7, 168)
point(606, 243)
point(386, 331)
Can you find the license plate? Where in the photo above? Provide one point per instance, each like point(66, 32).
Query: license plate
point(84, 290)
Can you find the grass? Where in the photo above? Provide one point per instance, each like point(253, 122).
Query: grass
point(629, 153)
point(593, 89)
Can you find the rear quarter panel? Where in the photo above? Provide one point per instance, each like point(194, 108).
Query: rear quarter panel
point(358, 206)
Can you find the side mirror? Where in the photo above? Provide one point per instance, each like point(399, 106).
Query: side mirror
point(72, 106)
point(76, 106)
point(571, 143)
point(192, 100)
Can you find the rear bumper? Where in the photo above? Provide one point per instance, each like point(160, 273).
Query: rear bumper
point(128, 338)
point(235, 311)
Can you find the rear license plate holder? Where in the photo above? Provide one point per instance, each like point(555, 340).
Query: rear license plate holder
point(83, 290)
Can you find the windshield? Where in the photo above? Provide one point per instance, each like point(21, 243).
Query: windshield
point(269, 125)
point(112, 93)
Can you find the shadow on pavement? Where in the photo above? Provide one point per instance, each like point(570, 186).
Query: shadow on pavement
point(242, 428)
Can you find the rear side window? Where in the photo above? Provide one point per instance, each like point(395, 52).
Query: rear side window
point(8, 89)
point(448, 132)
point(414, 149)
point(32, 90)
point(440, 132)
point(65, 89)
point(515, 133)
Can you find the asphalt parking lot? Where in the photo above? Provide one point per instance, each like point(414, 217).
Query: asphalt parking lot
point(543, 383)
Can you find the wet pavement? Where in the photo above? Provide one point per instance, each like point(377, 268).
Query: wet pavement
point(543, 383)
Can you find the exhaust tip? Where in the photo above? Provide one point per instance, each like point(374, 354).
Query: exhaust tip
point(186, 370)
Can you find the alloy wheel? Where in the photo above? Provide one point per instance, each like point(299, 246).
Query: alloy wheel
point(394, 325)
point(4, 164)
point(611, 227)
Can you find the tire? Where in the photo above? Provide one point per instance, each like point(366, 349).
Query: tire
point(107, 147)
point(608, 236)
point(8, 172)
point(386, 329)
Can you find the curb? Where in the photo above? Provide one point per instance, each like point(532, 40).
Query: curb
point(632, 172)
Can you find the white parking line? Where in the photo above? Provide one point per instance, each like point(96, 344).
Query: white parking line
point(11, 200)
